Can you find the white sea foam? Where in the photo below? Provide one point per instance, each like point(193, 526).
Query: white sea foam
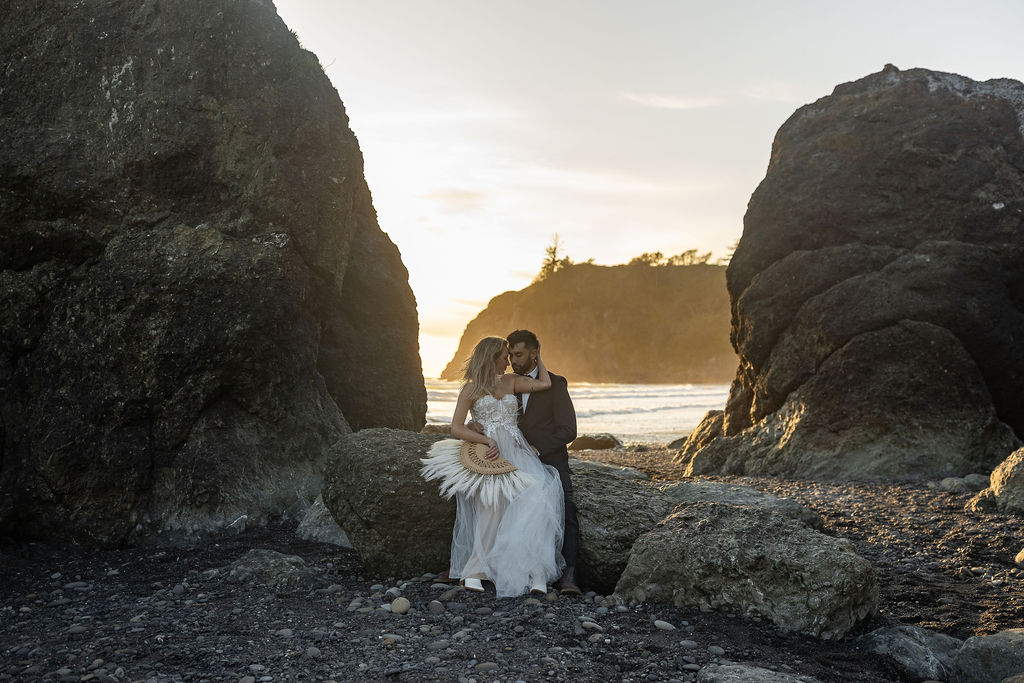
point(636, 413)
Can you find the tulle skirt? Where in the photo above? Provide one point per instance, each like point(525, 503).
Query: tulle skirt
point(514, 542)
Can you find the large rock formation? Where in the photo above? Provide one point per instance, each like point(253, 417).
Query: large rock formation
point(878, 289)
point(197, 299)
point(611, 323)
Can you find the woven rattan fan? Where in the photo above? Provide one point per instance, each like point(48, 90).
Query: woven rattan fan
point(472, 457)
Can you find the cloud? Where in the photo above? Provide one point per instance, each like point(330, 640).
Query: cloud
point(455, 200)
point(673, 101)
point(761, 92)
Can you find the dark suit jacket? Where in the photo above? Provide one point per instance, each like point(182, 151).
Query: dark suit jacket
point(549, 423)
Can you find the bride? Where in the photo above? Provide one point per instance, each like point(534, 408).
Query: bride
point(514, 542)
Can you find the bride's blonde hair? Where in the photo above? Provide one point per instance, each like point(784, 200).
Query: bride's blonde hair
point(480, 369)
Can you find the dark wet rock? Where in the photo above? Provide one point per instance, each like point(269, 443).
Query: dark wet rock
point(990, 658)
point(753, 562)
point(922, 654)
point(397, 522)
point(595, 442)
point(199, 299)
point(878, 287)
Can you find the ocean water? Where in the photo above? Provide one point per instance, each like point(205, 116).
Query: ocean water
point(636, 413)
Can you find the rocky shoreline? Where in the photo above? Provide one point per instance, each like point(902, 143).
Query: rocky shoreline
point(223, 611)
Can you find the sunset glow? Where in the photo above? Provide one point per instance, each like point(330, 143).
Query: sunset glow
point(624, 127)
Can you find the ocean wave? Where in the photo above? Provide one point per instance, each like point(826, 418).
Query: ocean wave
point(640, 410)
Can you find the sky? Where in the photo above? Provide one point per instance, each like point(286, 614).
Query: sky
point(623, 126)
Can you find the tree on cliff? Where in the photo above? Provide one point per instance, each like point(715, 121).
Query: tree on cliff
point(552, 260)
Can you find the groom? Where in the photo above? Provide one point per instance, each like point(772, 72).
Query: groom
point(548, 421)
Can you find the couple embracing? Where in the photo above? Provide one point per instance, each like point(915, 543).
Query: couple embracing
point(525, 539)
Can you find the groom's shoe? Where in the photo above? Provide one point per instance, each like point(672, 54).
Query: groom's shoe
point(567, 584)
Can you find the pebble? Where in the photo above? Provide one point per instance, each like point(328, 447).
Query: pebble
point(483, 610)
point(377, 587)
point(716, 651)
point(400, 606)
point(551, 597)
point(591, 626)
point(284, 633)
point(664, 625)
point(435, 607)
point(313, 652)
point(487, 666)
point(688, 644)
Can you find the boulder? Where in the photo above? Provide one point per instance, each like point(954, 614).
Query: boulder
point(595, 442)
point(754, 562)
point(198, 298)
point(694, 452)
point(983, 659)
point(614, 508)
point(983, 501)
point(677, 444)
point(972, 483)
point(397, 522)
point(318, 525)
point(748, 673)
point(922, 654)
point(878, 287)
point(269, 568)
point(977, 482)
point(1008, 483)
point(603, 492)
point(697, 491)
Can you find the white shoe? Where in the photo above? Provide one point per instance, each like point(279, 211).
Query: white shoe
point(539, 588)
point(474, 585)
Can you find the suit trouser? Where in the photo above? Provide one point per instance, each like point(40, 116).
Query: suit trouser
point(560, 461)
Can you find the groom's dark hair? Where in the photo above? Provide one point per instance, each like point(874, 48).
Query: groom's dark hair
point(525, 337)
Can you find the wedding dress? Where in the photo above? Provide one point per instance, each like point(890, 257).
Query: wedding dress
point(514, 542)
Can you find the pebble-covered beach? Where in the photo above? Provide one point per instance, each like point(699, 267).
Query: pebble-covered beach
point(150, 614)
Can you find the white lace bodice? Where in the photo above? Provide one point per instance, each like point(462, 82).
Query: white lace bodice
point(493, 412)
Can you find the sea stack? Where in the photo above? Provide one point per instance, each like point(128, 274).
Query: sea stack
point(877, 292)
point(197, 298)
